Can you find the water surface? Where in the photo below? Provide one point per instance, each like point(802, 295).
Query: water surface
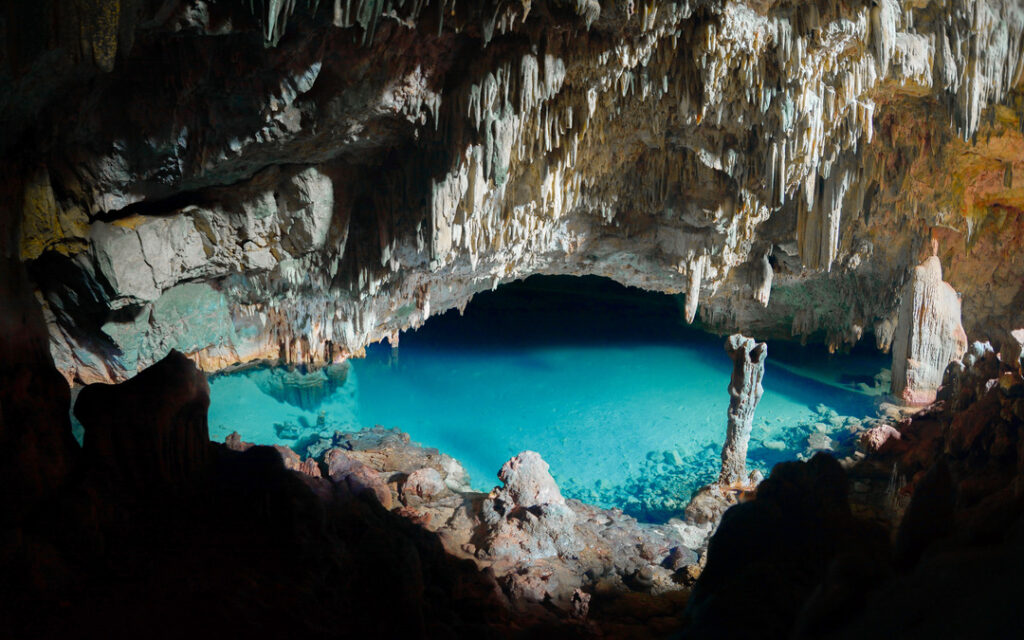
point(626, 403)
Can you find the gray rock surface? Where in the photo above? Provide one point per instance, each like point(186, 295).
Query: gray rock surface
point(527, 517)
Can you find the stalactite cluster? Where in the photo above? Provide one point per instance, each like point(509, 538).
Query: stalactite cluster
point(295, 179)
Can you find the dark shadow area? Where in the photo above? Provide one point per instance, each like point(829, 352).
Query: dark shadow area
point(593, 311)
point(558, 310)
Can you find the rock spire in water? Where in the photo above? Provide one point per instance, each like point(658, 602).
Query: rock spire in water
point(745, 392)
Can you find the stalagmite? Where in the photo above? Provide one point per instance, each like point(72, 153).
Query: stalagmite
point(745, 392)
point(928, 334)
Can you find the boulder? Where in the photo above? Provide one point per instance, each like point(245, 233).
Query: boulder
point(876, 437)
point(424, 484)
point(527, 518)
point(528, 481)
point(351, 474)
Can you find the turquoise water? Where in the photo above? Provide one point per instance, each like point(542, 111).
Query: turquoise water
point(627, 405)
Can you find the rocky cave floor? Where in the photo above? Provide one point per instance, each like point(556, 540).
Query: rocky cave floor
point(158, 532)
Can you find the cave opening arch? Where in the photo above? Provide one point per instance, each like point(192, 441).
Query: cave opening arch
point(623, 399)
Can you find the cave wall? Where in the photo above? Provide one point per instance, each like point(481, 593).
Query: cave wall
point(242, 180)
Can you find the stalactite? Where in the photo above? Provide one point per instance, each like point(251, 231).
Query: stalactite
point(693, 129)
point(695, 279)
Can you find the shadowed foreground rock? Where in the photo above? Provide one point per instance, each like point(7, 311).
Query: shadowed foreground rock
point(149, 432)
point(769, 555)
point(164, 534)
point(806, 560)
point(160, 533)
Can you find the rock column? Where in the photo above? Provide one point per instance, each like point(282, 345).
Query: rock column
point(928, 335)
point(745, 392)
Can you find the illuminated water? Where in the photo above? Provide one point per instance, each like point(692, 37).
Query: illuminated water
point(626, 405)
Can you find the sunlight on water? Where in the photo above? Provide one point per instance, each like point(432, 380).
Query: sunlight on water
point(627, 406)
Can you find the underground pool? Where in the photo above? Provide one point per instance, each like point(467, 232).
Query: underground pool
point(623, 400)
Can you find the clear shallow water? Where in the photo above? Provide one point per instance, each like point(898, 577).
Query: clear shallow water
point(627, 405)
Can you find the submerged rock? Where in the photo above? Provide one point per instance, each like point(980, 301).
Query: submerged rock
point(303, 389)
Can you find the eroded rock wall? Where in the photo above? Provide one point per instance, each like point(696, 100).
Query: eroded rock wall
point(297, 180)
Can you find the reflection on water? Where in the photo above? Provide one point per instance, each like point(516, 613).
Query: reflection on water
point(627, 405)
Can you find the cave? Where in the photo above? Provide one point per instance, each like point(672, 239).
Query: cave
point(511, 318)
point(608, 383)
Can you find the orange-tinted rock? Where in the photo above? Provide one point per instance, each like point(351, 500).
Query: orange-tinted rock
point(875, 438)
point(423, 483)
point(358, 477)
point(310, 468)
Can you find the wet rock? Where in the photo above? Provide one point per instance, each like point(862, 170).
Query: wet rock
point(819, 442)
point(287, 430)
